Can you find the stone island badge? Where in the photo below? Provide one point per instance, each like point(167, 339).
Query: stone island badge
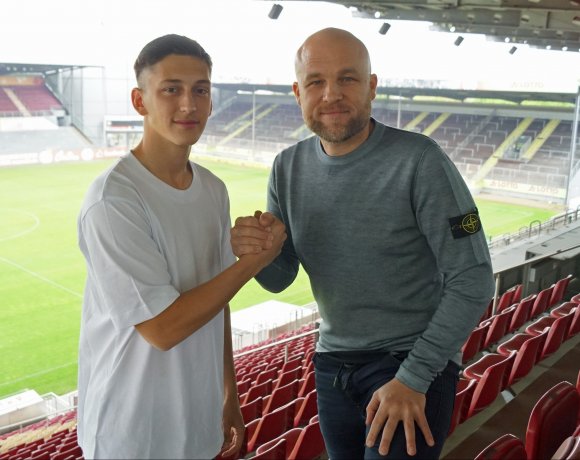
point(465, 225)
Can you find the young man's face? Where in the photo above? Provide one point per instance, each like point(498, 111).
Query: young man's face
point(174, 96)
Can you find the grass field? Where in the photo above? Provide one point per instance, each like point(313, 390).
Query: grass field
point(42, 271)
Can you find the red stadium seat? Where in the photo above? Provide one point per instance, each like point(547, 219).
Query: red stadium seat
point(302, 443)
point(269, 374)
point(498, 327)
point(542, 302)
point(270, 426)
point(307, 384)
point(307, 410)
point(575, 298)
point(518, 293)
point(275, 452)
point(476, 370)
point(522, 313)
point(552, 420)
point(559, 290)
point(528, 350)
point(257, 391)
point(557, 332)
point(252, 410)
point(569, 449)
point(281, 396)
point(505, 300)
point(289, 376)
point(490, 384)
point(563, 309)
point(474, 343)
point(506, 447)
point(463, 395)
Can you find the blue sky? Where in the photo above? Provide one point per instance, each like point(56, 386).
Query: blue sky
point(246, 45)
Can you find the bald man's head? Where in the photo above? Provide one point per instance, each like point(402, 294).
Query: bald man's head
point(326, 40)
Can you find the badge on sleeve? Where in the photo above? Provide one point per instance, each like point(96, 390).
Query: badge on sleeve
point(465, 225)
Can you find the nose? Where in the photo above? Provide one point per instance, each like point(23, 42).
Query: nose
point(187, 102)
point(332, 92)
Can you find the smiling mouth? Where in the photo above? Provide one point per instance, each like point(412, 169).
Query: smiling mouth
point(186, 122)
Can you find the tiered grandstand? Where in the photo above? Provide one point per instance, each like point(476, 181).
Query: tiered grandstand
point(523, 350)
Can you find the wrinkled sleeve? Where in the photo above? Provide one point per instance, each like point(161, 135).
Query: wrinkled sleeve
point(283, 270)
point(126, 265)
point(447, 217)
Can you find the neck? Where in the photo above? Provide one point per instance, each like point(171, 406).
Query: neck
point(170, 165)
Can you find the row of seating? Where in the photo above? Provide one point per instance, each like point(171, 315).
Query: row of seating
point(510, 314)
point(483, 380)
point(553, 430)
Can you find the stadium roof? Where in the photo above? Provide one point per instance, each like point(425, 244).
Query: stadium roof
point(459, 95)
point(8, 68)
point(537, 23)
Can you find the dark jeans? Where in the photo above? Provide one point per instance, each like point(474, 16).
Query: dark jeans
point(345, 383)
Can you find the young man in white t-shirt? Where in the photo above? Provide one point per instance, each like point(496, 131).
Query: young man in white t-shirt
point(156, 374)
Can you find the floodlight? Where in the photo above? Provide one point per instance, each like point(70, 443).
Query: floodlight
point(384, 28)
point(275, 11)
point(458, 40)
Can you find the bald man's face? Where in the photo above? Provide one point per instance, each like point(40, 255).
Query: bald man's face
point(334, 87)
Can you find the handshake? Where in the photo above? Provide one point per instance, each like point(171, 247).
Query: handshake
point(260, 236)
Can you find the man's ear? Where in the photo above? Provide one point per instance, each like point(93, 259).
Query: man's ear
point(137, 101)
point(296, 90)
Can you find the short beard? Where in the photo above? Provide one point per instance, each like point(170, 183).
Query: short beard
point(338, 134)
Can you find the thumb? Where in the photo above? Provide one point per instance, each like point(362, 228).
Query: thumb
point(266, 219)
point(257, 214)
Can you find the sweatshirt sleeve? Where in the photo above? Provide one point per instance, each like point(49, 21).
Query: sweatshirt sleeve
point(282, 272)
point(448, 218)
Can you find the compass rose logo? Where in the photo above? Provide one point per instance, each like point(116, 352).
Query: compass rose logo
point(470, 223)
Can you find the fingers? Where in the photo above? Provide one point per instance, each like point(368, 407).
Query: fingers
point(249, 237)
point(232, 443)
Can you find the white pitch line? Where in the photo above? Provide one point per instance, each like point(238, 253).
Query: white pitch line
point(38, 374)
point(26, 231)
point(42, 278)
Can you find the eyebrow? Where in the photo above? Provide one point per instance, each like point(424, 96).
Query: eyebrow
point(176, 80)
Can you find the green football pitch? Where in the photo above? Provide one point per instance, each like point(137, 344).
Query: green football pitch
point(42, 272)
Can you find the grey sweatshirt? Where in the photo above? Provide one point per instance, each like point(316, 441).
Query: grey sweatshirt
point(391, 240)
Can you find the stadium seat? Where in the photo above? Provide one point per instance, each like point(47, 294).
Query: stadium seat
point(489, 385)
point(557, 333)
point(269, 426)
point(281, 396)
point(268, 374)
point(307, 384)
point(552, 420)
point(522, 312)
point(518, 293)
point(289, 376)
point(569, 449)
point(257, 391)
point(474, 343)
point(476, 370)
point(563, 309)
point(559, 290)
point(527, 349)
point(302, 443)
point(506, 447)
point(542, 302)
point(498, 327)
point(292, 364)
point(575, 298)
point(252, 410)
point(463, 395)
point(505, 300)
point(275, 452)
point(307, 410)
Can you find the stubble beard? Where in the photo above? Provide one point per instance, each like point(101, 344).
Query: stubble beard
point(340, 133)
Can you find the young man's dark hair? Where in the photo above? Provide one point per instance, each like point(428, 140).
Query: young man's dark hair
point(163, 46)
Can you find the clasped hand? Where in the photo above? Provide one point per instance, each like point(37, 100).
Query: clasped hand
point(392, 403)
point(257, 233)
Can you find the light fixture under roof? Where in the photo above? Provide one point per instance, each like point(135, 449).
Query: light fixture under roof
point(275, 11)
point(384, 28)
point(458, 41)
point(576, 20)
point(513, 49)
point(377, 14)
point(564, 48)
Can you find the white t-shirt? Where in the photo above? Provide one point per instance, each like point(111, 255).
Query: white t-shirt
point(146, 242)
